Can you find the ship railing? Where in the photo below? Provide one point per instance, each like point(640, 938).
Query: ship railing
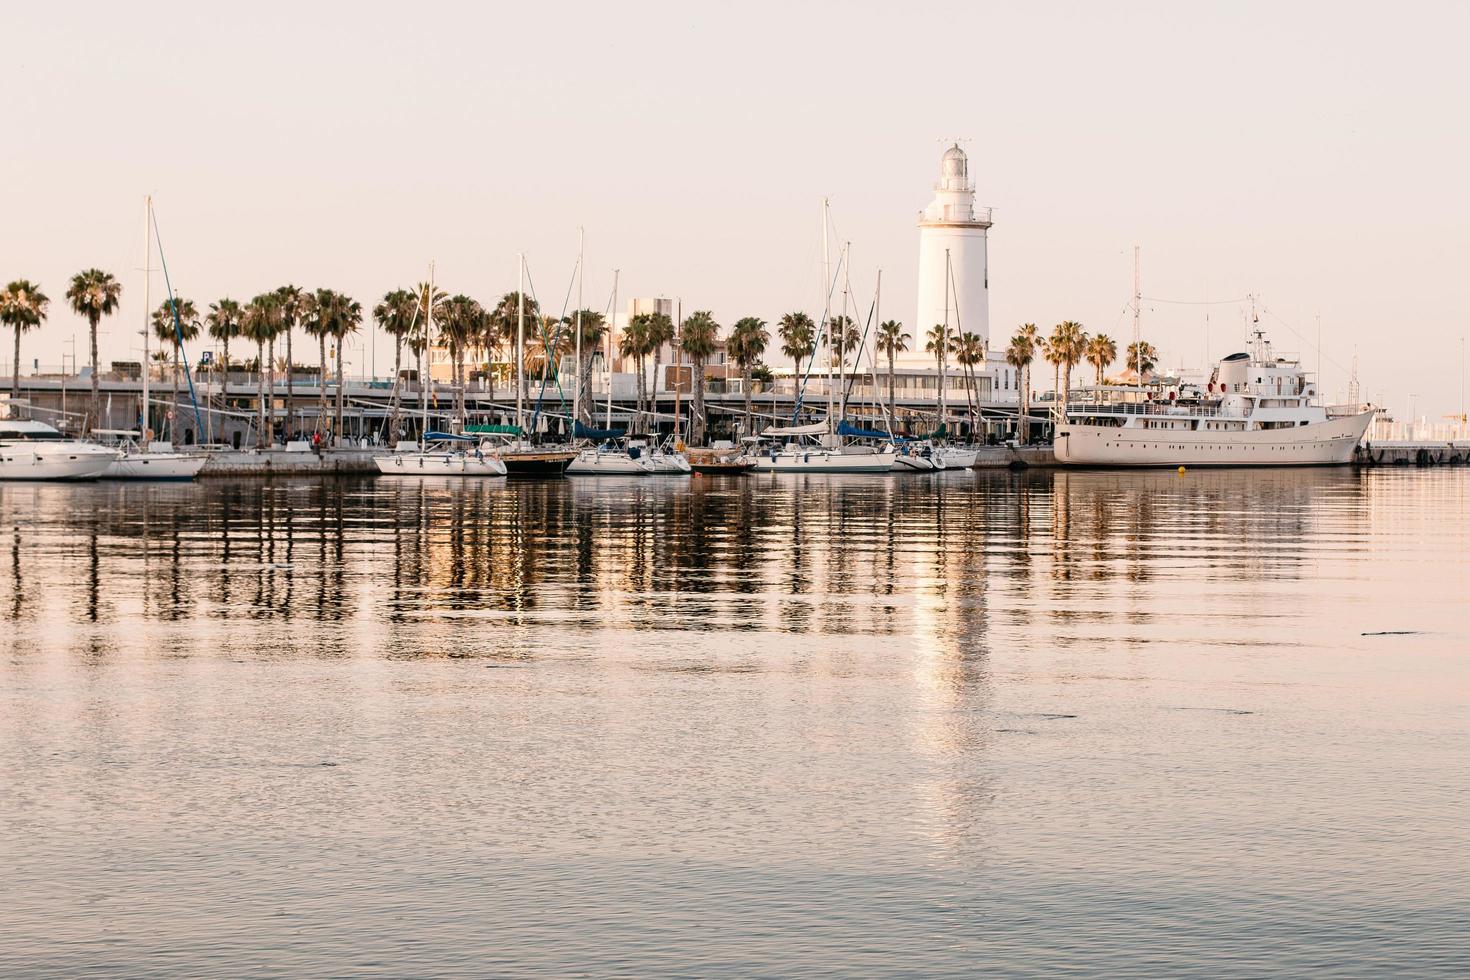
point(1160, 409)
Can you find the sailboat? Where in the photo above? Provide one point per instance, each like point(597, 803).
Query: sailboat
point(138, 458)
point(817, 447)
point(522, 458)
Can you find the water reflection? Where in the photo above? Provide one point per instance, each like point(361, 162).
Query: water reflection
point(949, 722)
point(823, 555)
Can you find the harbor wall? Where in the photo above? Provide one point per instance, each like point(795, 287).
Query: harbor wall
point(282, 462)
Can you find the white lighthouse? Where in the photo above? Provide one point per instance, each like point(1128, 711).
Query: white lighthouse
point(952, 247)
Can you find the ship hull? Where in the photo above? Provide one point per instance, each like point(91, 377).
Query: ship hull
point(1329, 443)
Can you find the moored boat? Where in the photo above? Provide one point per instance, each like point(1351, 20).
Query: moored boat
point(1256, 410)
point(158, 462)
point(31, 450)
point(444, 454)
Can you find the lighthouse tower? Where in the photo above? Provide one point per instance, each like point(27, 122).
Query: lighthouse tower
point(952, 224)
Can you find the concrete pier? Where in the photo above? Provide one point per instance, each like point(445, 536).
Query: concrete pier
point(1403, 452)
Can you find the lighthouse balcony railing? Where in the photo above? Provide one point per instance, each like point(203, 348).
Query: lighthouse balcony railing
point(980, 216)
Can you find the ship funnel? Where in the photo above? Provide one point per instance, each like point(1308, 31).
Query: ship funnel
point(1234, 370)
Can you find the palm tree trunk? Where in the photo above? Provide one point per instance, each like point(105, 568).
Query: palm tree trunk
point(341, 391)
point(418, 372)
point(1024, 428)
point(270, 384)
point(653, 384)
point(289, 385)
point(698, 427)
point(15, 374)
point(749, 426)
point(321, 410)
point(892, 398)
point(96, 403)
point(260, 381)
point(173, 405)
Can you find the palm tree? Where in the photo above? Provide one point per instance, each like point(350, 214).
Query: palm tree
point(891, 340)
point(223, 322)
point(746, 346)
point(660, 333)
point(593, 327)
point(175, 322)
point(22, 307)
point(396, 314)
point(292, 300)
point(431, 311)
point(258, 323)
point(798, 341)
point(93, 294)
point(546, 345)
point(1067, 344)
point(346, 317)
point(697, 337)
point(505, 321)
point(1142, 357)
point(633, 343)
point(1101, 351)
point(1020, 354)
point(969, 350)
point(940, 336)
point(454, 326)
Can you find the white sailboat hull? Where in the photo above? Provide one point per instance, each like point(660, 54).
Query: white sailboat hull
point(59, 460)
point(954, 458)
point(913, 464)
point(824, 461)
point(1329, 443)
point(439, 464)
point(590, 462)
point(155, 466)
point(670, 463)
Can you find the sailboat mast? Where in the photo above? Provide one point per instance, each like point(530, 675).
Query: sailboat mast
point(846, 286)
point(1137, 304)
point(424, 382)
point(827, 310)
point(577, 392)
point(521, 341)
point(944, 339)
point(147, 277)
point(609, 354)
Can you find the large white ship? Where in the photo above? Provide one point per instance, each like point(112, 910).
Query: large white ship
point(1256, 410)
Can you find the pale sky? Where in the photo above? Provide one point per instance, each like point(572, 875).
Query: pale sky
point(1313, 154)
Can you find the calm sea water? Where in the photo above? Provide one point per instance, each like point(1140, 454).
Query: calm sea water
point(1133, 723)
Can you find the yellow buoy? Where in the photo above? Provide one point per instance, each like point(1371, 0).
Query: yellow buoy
point(1181, 471)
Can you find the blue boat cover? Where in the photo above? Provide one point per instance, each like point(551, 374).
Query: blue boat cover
point(581, 431)
point(447, 437)
point(854, 432)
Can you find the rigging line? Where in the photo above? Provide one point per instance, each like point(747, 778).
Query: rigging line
point(178, 327)
point(817, 342)
point(1272, 313)
point(862, 348)
point(1195, 302)
point(550, 345)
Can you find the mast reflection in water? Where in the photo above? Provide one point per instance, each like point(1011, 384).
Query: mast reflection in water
point(773, 725)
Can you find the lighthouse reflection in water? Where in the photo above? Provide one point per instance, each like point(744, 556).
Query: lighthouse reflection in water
point(1122, 722)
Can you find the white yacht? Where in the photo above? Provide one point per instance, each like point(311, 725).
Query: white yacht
point(800, 452)
point(31, 450)
point(157, 462)
point(608, 460)
point(444, 454)
point(1256, 410)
